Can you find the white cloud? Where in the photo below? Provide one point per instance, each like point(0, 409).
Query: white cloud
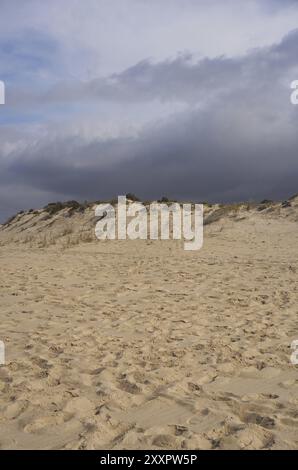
point(100, 37)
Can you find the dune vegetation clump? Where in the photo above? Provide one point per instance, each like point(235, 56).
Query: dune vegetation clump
point(73, 206)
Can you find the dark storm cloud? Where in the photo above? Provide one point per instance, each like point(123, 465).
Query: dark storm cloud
point(190, 158)
point(236, 140)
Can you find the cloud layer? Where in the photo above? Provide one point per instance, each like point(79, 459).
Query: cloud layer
point(211, 127)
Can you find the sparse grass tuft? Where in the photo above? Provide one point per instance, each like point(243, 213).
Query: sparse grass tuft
point(132, 197)
point(73, 206)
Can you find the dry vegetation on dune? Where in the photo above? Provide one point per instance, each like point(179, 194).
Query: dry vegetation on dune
point(69, 223)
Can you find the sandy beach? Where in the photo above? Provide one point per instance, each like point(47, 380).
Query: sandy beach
point(141, 345)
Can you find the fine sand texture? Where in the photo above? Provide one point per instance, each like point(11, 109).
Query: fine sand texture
point(142, 345)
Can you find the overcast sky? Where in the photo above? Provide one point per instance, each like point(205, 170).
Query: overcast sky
point(188, 99)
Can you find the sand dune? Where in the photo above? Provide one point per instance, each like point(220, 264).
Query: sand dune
point(139, 344)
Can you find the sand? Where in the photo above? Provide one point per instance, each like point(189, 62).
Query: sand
point(141, 345)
